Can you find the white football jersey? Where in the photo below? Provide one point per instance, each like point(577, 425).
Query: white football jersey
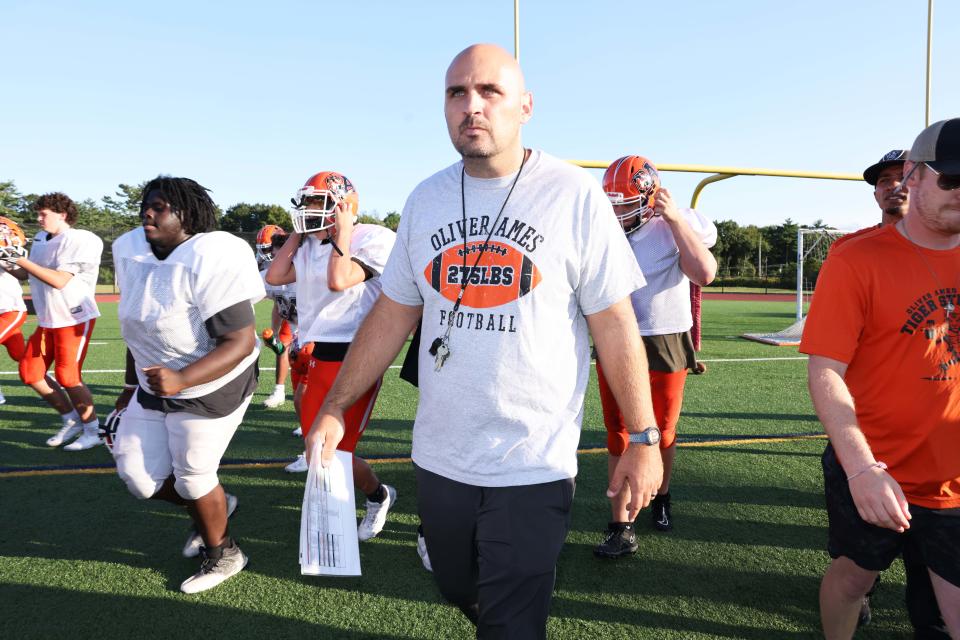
point(11, 293)
point(663, 306)
point(75, 251)
point(165, 303)
point(284, 296)
point(335, 316)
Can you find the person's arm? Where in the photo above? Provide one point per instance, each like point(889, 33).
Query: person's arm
point(233, 345)
point(624, 359)
point(53, 277)
point(377, 343)
point(275, 320)
point(696, 261)
point(878, 497)
point(130, 383)
point(343, 271)
point(281, 270)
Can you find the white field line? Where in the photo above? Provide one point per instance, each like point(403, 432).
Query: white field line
point(396, 366)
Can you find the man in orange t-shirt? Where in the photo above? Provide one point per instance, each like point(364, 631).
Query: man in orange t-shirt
point(883, 335)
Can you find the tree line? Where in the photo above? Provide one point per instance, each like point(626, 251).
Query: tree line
point(746, 255)
point(115, 214)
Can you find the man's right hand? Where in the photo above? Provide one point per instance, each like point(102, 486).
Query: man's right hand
point(640, 469)
point(880, 500)
point(327, 432)
point(124, 399)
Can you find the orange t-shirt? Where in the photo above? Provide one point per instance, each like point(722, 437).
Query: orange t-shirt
point(882, 309)
point(853, 234)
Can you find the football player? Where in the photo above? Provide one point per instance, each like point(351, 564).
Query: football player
point(672, 248)
point(336, 264)
point(284, 313)
point(13, 312)
point(62, 268)
point(186, 313)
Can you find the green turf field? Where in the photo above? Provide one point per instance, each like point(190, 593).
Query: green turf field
point(81, 558)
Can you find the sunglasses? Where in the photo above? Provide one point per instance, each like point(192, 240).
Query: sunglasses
point(946, 182)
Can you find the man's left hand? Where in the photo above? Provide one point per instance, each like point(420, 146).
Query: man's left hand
point(665, 206)
point(344, 218)
point(640, 469)
point(163, 381)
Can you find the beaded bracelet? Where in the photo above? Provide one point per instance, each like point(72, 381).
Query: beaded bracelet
point(878, 465)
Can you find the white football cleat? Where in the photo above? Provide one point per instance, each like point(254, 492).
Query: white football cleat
point(298, 466)
point(422, 552)
point(376, 515)
point(69, 430)
point(2, 399)
point(214, 570)
point(275, 399)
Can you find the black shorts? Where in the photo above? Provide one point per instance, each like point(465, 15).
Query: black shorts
point(934, 533)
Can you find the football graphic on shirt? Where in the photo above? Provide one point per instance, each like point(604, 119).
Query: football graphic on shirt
point(503, 274)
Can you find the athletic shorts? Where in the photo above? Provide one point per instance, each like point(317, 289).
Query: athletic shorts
point(65, 346)
point(10, 334)
point(285, 336)
point(666, 389)
point(934, 533)
point(320, 377)
point(150, 446)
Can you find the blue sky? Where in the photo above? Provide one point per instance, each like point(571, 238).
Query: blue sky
point(250, 98)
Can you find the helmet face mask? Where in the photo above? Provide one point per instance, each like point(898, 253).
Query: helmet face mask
point(632, 180)
point(108, 428)
point(13, 242)
point(315, 205)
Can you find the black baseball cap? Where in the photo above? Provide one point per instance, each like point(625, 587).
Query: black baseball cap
point(872, 173)
point(939, 146)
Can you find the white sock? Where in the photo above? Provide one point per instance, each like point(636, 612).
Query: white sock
point(92, 427)
point(73, 417)
point(280, 388)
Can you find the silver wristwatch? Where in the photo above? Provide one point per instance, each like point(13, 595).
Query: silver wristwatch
point(649, 436)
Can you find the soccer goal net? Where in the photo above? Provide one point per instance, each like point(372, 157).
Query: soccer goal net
point(812, 248)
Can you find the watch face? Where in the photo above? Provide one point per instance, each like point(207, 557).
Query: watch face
point(649, 436)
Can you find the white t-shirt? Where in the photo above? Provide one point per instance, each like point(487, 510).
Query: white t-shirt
point(164, 303)
point(506, 407)
point(11, 293)
point(663, 306)
point(75, 251)
point(285, 298)
point(335, 316)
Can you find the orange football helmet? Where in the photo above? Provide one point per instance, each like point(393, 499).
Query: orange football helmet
point(267, 239)
point(13, 242)
point(315, 203)
point(632, 180)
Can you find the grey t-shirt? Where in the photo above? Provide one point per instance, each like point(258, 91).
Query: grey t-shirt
point(506, 407)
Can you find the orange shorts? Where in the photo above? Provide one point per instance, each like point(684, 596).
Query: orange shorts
point(10, 335)
point(285, 336)
point(66, 346)
point(320, 377)
point(667, 392)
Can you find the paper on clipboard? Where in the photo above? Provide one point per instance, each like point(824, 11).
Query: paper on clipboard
point(328, 522)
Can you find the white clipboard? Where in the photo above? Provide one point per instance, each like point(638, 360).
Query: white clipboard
point(328, 522)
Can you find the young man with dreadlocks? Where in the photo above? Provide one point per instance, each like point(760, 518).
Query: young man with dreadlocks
point(186, 314)
point(62, 269)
